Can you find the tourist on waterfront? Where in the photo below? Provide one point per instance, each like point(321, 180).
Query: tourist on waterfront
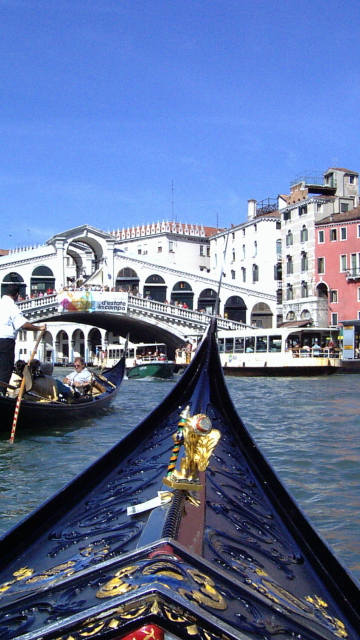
point(11, 321)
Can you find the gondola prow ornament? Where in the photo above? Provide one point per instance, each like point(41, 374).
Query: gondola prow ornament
point(199, 439)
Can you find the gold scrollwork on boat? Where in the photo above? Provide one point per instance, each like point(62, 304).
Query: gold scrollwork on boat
point(117, 586)
point(21, 574)
point(207, 594)
point(312, 605)
point(336, 624)
point(121, 615)
point(129, 579)
point(163, 568)
point(66, 568)
point(28, 576)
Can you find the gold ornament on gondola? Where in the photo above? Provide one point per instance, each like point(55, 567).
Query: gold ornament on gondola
point(199, 440)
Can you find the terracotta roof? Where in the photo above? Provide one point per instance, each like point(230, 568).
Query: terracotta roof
point(4, 252)
point(211, 231)
point(345, 170)
point(337, 218)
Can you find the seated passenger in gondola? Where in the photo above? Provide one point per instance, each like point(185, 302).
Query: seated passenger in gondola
point(75, 383)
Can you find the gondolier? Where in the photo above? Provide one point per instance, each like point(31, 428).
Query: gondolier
point(11, 321)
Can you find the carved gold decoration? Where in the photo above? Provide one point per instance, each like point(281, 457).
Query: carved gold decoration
point(65, 568)
point(321, 606)
point(207, 594)
point(164, 569)
point(199, 440)
point(119, 616)
point(21, 574)
point(117, 586)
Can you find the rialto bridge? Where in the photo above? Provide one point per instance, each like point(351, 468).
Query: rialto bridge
point(80, 323)
point(167, 279)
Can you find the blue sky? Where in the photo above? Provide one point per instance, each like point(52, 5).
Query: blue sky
point(122, 112)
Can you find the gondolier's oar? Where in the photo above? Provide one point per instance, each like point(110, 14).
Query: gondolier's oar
point(8, 386)
point(22, 388)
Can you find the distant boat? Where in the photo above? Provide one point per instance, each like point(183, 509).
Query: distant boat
point(181, 531)
point(150, 361)
point(293, 350)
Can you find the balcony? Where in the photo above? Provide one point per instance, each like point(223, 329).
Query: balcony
point(269, 205)
point(313, 181)
point(353, 274)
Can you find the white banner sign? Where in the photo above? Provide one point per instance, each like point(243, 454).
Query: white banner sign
point(90, 301)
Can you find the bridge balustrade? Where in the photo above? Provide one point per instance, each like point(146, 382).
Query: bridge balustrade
point(188, 314)
point(43, 305)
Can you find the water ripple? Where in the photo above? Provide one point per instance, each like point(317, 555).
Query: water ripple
point(307, 428)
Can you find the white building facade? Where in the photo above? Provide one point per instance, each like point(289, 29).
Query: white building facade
point(250, 256)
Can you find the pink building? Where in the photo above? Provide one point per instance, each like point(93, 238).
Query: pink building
point(337, 251)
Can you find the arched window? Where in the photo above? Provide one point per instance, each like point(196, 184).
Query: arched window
point(304, 289)
point(304, 261)
point(235, 309)
point(289, 265)
point(13, 278)
point(42, 281)
point(261, 315)
point(255, 273)
point(155, 288)
point(182, 294)
point(155, 279)
point(207, 300)
point(304, 234)
point(127, 280)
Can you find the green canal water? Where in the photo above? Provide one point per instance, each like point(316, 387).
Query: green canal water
point(309, 430)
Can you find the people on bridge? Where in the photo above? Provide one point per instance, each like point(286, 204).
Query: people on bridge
point(11, 321)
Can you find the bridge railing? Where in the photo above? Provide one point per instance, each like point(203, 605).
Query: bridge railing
point(190, 315)
point(168, 311)
point(48, 300)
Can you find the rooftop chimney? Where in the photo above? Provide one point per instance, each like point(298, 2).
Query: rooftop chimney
point(251, 209)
